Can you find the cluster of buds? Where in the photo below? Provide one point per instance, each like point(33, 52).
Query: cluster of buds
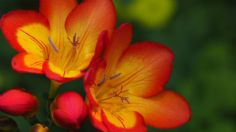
point(68, 110)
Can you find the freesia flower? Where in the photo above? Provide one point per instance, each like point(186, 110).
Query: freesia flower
point(18, 102)
point(125, 90)
point(60, 40)
point(69, 110)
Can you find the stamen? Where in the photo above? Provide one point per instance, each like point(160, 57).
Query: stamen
point(74, 41)
point(53, 45)
point(120, 91)
point(102, 81)
point(125, 99)
point(117, 94)
point(115, 76)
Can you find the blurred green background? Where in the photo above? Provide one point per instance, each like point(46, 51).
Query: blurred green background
point(202, 34)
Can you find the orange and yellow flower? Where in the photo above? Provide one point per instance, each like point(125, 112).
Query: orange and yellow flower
point(125, 90)
point(60, 40)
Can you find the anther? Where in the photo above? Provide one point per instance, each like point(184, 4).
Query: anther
point(74, 41)
point(102, 81)
point(125, 99)
point(53, 45)
point(115, 76)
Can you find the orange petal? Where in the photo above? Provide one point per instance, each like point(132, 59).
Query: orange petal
point(101, 42)
point(166, 110)
point(90, 79)
point(58, 74)
point(123, 121)
point(146, 68)
point(88, 82)
point(120, 41)
point(26, 31)
point(27, 63)
point(57, 11)
point(96, 119)
point(88, 20)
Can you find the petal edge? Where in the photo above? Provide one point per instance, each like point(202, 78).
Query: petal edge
point(27, 63)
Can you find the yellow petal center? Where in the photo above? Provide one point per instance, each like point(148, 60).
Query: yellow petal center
point(63, 52)
point(110, 95)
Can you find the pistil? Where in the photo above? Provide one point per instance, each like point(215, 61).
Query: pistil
point(117, 94)
point(74, 41)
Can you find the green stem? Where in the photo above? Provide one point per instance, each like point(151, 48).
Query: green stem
point(53, 89)
point(32, 120)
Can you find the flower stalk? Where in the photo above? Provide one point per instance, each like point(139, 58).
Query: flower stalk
point(53, 89)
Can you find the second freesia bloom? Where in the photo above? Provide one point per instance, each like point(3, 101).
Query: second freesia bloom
point(126, 89)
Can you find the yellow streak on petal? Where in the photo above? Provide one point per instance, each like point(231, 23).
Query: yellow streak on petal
point(63, 73)
point(33, 61)
point(123, 119)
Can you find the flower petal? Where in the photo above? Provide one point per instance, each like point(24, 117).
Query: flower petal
point(59, 75)
point(57, 11)
point(26, 31)
point(90, 79)
point(124, 121)
point(30, 63)
point(88, 20)
point(119, 43)
point(166, 110)
point(101, 42)
point(88, 82)
point(96, 120)
point(94, 110)
point(146, 68)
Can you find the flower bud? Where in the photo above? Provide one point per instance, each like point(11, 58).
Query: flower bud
point(69, 110)
point(18, 102)
point(39, 128)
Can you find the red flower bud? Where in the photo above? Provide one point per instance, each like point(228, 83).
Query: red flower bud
point(18, 102)
point(69, 110)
